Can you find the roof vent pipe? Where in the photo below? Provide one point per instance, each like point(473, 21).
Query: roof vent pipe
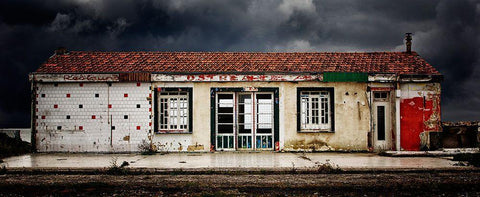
point(60, 51)
point(408, 38)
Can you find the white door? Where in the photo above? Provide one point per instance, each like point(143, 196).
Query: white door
point(382, 137)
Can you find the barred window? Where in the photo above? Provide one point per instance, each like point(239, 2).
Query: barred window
point(173, 111)
point(315, 110)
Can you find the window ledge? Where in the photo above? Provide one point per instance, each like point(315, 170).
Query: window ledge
point(315, 131)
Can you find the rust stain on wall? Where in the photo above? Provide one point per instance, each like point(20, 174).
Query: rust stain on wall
point(126, 138)
point(196, 147)
point(180, 147)
point(313, 145)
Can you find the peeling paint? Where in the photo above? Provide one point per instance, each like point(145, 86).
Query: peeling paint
point(420, 114)
point(75, 77)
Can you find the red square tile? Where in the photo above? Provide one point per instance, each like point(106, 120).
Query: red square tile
point(109, 106)
point(93, 117)
point(80, 127)
point(68, 95)
point(125, 95)
point(55, 106)
point(138, 127)
point(43, 117)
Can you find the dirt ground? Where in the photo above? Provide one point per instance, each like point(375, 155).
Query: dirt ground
point(461, 183)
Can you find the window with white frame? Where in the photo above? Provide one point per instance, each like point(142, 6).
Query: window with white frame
point(315, 110)
point(173, 111)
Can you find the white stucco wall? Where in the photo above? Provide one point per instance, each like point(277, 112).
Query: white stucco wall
point(352, 117)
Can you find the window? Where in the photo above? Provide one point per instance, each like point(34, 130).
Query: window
point(380, 96)
point(173, 110)
point(315, 110)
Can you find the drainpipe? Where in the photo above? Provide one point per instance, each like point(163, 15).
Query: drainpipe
point(109, 117)
point(368, 96)
point(398, 94)
point(33, 114)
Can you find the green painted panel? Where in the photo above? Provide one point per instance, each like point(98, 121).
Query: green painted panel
point(345, 77)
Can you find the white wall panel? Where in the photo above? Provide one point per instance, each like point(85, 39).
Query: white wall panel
point(82, 133)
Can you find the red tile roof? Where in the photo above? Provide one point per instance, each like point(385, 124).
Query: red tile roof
point(236, 62)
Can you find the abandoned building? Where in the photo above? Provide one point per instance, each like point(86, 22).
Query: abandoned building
point(232, 101)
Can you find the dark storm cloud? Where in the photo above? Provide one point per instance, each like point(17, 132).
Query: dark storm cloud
point(446, 33)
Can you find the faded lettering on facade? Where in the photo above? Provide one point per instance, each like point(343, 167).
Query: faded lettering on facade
point(88, 77)
point(227, 77)
point(75, 77)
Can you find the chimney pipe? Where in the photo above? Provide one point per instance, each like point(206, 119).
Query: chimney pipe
point(408, 38)
point(60, 51)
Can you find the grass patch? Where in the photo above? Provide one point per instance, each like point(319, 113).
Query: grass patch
point(115, 169)
point(147, 148)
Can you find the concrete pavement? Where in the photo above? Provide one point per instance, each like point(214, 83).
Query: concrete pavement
point(223, 160)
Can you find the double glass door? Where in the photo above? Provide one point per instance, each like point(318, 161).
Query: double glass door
point(244, 121)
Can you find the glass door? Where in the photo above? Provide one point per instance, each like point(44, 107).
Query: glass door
point(225, 121)
point(244, 121)
point(264, 121)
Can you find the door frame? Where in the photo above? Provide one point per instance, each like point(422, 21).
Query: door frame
point(213, 99)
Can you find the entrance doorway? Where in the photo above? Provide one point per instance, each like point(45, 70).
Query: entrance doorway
point(244, 121)
point(382, 138)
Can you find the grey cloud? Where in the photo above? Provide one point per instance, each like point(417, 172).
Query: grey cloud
point(61, 22)
point(118, 27)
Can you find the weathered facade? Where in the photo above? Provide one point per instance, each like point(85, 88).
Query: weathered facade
point(219, 101)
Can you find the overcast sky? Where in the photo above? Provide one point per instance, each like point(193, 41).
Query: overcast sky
point(446, 34)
